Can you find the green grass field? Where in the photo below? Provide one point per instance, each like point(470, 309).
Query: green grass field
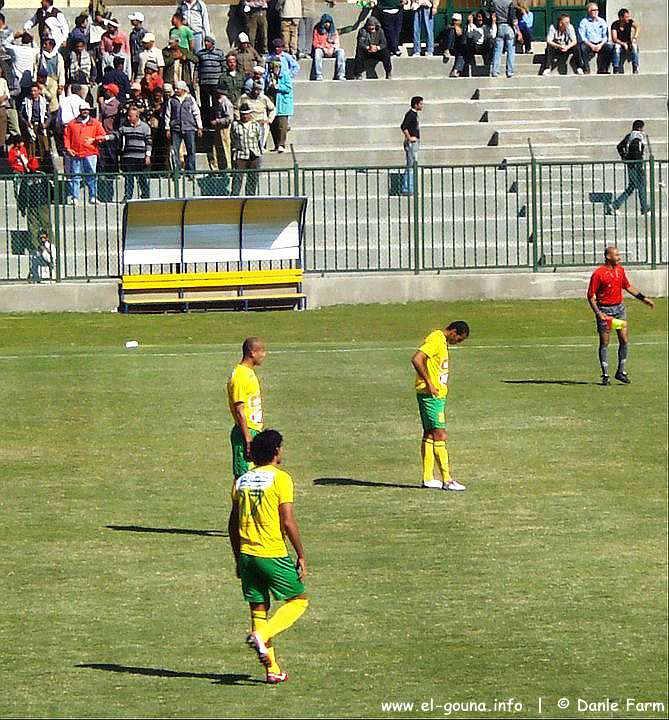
point(546, 579)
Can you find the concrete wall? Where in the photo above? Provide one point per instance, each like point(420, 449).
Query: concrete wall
point(350, 289)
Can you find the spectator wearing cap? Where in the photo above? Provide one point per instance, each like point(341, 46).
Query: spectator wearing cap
point(291, 13)
point(109, 114)
point(116, 74)
point(247, 55)
point(150, 53)
point(456, 44)
point(196, 16)
point(136, 40)
point(137, 99)
point(50, 22)
point(134, 140)
point(246, 139)
point(81, 69)
point(220, 157)
point(262, 108)
point(114, 41)
point(182, 122)
point(178, 63)
point(231, 80)
point(280, 92)
point(256, 20)
point(326, 45)
point(82, 137)
point(211, 63)
point(288, 63)
point(371, 44)
point(182, 32)
point(150, 81)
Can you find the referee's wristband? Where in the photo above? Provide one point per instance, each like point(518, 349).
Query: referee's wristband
point(640, 296)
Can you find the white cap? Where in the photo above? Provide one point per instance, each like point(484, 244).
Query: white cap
point(243, 37)
point(258, 68)
point(149, 37)
point(113, 23)
point(456, 16)
point(180, 85)
point(167, 87)
point(136, 16)
point(84, 106)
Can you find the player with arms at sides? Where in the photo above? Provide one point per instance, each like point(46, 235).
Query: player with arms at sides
point(245, 403)
point(431, 364)
point(260, 518)
point(605, 295)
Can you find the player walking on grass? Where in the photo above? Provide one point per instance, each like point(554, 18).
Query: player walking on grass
point(245, 403)
point(261, 516)
point(431, 364)
point(605, 295)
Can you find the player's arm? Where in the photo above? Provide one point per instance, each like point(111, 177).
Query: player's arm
point(419, 361)
point(640, 296)
point(292, 532)
point(592, 299)
point(233, 534)
point(240, 419)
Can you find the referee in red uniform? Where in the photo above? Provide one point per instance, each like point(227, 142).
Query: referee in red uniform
point(605, 295)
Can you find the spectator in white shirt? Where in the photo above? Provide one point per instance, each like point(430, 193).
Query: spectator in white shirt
point(561, 42)
point(150, 54)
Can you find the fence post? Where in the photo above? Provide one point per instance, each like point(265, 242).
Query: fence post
point(296, 172)
point(417, 214)
point(175, 178)
point(653, 227)
point(55, 240)
point(534, 227)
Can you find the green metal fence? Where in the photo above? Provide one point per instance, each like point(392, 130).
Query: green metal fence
point(536, 215)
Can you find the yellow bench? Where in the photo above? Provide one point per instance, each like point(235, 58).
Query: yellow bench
point(244, 288)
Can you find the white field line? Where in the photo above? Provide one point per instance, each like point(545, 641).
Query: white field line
point(311, 351)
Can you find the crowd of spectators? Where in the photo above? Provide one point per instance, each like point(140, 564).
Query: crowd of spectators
point(103, 96)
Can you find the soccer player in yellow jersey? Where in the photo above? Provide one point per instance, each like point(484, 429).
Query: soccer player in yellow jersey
point(245, 403)
point(431, 364)
point(260, 519)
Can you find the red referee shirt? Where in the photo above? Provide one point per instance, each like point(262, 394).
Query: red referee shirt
point(607, 284)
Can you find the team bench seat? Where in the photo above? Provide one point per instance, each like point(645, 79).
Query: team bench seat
point(242, 288)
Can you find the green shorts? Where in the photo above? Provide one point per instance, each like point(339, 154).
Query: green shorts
point(240, 464)
point(260, 576)
point(432, 412)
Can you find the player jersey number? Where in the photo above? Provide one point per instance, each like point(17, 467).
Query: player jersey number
point(443, 375)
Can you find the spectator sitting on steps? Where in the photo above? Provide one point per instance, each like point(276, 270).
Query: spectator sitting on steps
point(625, 35)
point(326, 45)
point(561, 43)
point(594, 41)
point(372, 45)
point(480, 38)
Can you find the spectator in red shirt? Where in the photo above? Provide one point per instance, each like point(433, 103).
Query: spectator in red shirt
point(605, 295)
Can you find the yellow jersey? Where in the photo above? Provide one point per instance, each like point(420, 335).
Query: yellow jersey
point(244, 387)
point(435, 346)
point(258, 494)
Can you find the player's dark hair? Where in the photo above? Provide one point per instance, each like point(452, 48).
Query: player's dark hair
point(415, 100)
point(622, 12)
point(249, 345)
point(638, 125)
point(460, 327)
point(265, 446)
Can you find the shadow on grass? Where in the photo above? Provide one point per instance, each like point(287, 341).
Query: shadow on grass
point(363, 483)
point(170, 531)
point(548, 382)
point(218, 679)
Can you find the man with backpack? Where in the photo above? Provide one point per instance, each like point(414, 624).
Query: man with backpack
point(631, 150)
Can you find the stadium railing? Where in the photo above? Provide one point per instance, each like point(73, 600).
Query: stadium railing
point(535, 215)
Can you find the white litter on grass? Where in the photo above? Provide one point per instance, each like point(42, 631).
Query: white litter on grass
point(132, 344)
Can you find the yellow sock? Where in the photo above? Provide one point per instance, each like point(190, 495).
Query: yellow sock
point(441, 454)
point(259, 623)
point(427, 453)
point(283, 618)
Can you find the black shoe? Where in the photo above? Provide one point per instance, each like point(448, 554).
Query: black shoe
point(605, 380)
point(623, 378)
